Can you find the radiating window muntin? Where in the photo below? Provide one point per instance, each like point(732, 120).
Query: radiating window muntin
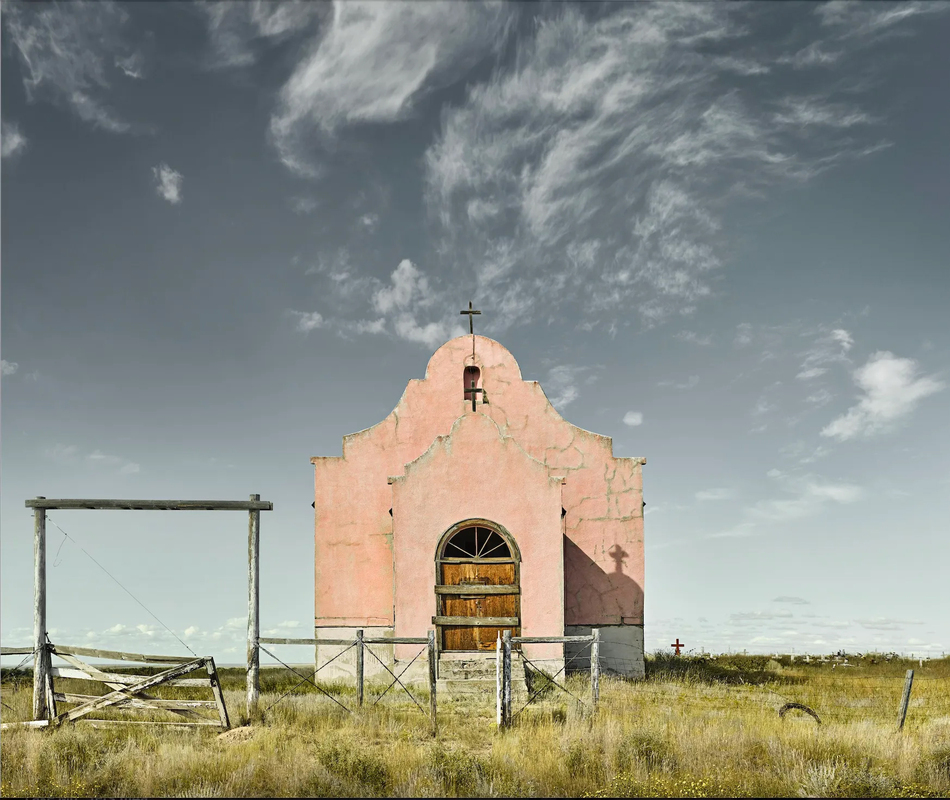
point(476, 543)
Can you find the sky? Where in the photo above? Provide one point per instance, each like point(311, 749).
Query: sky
point(717, 233)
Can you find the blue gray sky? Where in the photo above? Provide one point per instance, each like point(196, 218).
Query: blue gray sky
point(231, 233)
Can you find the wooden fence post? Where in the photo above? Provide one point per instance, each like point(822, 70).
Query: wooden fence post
point(499, 717)
point(595, 668)
point(359, 667)
point(506, 678)
point(253, 609)
point(905, 699)
point(41, 654)
point(432, 684)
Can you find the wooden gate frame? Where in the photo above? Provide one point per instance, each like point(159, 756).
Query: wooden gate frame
point(42, 650)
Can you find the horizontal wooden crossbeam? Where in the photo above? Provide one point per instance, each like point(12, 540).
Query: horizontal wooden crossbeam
point(117, 655)
point(132, 702)
point(154, 505)
point(478, 589)
point(478, 622)
point(112, 677)
point(549, 639)
point(366, 640)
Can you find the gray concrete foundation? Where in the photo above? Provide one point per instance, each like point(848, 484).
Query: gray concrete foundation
point(621, 650)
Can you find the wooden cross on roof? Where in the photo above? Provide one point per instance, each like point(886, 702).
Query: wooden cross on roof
point(471, 318)
point(471, 326)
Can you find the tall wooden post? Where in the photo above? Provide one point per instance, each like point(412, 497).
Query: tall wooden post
point(506, 678)
point(905, 699)
point(499, 717)
point(253, 609)
point(432, 684)
point(41, 656)
point(595, 668)
point(359, 667)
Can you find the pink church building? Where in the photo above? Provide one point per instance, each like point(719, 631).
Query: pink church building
point(473, 508)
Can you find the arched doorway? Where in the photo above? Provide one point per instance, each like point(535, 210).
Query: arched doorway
point(479, 591)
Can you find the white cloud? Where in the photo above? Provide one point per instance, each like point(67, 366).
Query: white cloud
point(168, 183)
point(891, 388)
point(633, 418)
point(371, 64)
point(715, 494)
point(690, 383)
point(759, 616)
point(740, 531)
point(12, 142)
point(369, 221)
point(307, 321)
point(303, 205)
point(743, 334)
point(131, 66)
point(407, 286)
point(62, 454)
point(64, 51)
point(70, 455)
point(8, 367)
point(694, 338)
point(561, 385)
point(810, 494)
point(812, 55)
point(798, 601)
point(402, 306)
point(122, 465)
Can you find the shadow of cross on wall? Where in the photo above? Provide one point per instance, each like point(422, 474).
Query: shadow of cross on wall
point(594, 595)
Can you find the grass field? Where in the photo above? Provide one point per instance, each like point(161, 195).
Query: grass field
point(696, 727)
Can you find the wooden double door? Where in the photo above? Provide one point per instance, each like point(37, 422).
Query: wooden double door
point(477, 597)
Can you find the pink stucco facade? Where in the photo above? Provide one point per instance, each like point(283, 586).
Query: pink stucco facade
point(574, 510)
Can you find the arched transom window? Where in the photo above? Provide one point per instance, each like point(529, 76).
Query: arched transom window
point(476, 543)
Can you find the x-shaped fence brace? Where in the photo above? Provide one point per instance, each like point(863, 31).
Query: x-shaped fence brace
point(133, 694)
point(397, 677)
point(536, 692)
point(306, 679)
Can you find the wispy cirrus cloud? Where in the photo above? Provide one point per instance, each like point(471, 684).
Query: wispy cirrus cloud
point(594, 170)
point(239, 31)
point(690, 383)
point(69, 53)
point(871, 22)
point(8, 367)
point(807, 494)
point(703, 340)
point(371, 64)
point(827, 348)
point(891, 389)
point(71, 455)
point(721, 493)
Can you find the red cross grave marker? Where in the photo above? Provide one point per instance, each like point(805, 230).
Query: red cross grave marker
point(678, 645)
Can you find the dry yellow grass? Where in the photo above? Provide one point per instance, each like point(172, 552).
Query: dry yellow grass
point(693, 728)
